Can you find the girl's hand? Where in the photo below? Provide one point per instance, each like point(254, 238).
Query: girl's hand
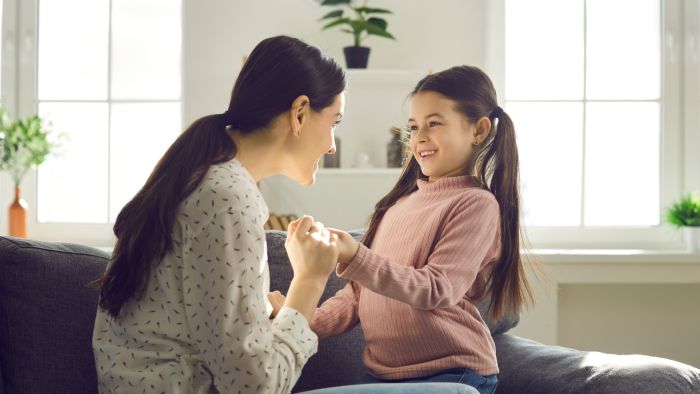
point(347, 246)
point(312, 249)
point(277, 300)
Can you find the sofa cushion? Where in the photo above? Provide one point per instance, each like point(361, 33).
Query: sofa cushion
point(527, 366)
point(47, 315)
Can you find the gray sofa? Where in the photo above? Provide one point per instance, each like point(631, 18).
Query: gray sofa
point(47, 314)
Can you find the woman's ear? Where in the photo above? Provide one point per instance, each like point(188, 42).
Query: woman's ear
point(482, 130)
point(299, 114)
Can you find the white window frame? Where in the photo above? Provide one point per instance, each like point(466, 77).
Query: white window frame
point(680, 131)
point(20, 88)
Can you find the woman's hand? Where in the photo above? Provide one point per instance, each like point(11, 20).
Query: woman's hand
point(312, 249)
point(277, 301)
point(313, 253)
point(347, 246)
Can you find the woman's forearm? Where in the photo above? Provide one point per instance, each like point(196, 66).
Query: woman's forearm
point(303, 295)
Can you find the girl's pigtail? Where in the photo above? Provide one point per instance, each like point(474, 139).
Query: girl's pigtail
point(510, 290)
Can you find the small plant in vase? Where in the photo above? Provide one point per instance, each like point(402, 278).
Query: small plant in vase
point(685, 214)
point(362, 22)
point(24, 144)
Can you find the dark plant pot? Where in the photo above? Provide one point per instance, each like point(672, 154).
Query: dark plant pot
point(356, 57)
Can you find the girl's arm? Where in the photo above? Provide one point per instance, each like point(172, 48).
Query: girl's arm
point(469, 237)
point(337, 314)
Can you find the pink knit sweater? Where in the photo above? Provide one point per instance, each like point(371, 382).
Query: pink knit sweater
point(415, 291)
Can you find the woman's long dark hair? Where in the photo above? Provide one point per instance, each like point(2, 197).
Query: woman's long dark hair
point(496, 168)
point(279, 70)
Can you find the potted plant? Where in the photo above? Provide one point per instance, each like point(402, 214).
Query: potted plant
point(24, 144)
point(362, 22)
point(685, 214)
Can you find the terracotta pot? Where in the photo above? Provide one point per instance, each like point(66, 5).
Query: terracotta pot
point(18, 216)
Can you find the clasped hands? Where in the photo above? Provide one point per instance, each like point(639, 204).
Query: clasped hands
point(314, 250)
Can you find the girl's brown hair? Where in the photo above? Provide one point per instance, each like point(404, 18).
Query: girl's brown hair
point(496, 168)
point(279, 70)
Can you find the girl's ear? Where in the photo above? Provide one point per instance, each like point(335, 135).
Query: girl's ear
point(482, 130)
point(299, 114)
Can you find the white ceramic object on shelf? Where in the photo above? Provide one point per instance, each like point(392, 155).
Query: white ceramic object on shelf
point(691, 235)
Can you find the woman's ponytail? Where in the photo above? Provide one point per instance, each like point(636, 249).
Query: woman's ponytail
point(143, 227)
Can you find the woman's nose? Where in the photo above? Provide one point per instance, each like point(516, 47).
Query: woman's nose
point(331, 151)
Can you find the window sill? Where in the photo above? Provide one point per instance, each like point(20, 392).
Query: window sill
point(598, 256)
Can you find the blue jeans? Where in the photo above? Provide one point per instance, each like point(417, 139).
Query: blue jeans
point(398, 388)
point(465, 376)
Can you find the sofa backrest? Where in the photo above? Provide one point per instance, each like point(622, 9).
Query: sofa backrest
point(46, 316)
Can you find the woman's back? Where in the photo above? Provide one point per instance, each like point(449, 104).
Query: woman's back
point(205, 311)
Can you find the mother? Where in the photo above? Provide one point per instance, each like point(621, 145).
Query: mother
point(183, 304)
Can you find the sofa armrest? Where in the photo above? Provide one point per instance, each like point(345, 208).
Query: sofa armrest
point(527, 366)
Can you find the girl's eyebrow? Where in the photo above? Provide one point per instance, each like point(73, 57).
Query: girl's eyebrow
point(428, 116)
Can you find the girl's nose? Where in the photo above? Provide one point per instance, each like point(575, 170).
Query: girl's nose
point(331, 151)
point(420, 135)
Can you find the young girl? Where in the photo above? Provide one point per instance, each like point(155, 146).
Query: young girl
point(444, 237)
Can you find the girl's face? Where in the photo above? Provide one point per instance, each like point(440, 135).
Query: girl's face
point(317, 139)
point(442, 138)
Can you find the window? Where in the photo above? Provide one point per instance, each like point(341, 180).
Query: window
point(595, 98)
point(107, 74)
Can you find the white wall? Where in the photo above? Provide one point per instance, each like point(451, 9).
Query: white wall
point(218, 33)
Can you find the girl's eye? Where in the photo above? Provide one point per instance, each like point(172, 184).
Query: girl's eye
point(433, 123)
point(337, 122)
point(412, 128)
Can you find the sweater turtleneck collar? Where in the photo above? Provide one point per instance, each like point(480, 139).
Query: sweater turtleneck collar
point(446, 184)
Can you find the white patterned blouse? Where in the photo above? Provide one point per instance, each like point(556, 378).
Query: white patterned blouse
point(203, 324)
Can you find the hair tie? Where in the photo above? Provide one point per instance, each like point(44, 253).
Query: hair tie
point(496, 113)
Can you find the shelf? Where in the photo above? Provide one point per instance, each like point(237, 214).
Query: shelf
point(383, 77)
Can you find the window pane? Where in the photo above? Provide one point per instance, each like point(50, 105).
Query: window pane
point(544, 54)
point(623, 52)
point(146, 45)
point(550, 146)
point(73, 49)
point(140, 135)
point(2, 49)
point(622, 164)
point(72, 187)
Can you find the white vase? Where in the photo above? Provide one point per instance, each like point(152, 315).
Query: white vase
point(691, 234)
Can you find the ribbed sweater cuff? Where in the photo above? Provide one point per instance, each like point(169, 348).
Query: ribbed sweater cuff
point(352, 269)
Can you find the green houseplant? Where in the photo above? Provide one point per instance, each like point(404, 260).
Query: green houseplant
point(24, 144)
point(359, 21)
point(685, 214)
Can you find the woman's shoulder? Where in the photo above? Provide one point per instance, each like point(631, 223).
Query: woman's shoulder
point(225, 188)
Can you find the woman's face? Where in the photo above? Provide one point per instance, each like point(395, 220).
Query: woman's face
point(316, 140)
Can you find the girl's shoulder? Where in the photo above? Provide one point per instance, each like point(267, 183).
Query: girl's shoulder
point(476, 197)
